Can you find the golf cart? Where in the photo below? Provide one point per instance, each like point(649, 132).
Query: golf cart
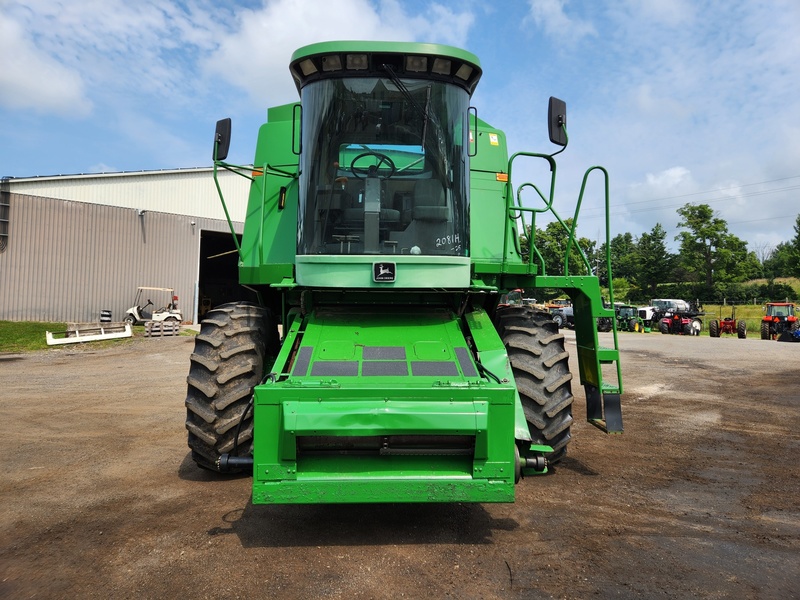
point(138, 313)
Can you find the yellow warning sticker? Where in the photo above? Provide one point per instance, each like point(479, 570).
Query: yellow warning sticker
point(493, 139)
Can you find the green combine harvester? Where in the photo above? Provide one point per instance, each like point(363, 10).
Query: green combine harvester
point(382, 229)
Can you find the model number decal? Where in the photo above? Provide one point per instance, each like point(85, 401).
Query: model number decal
point(449, 240)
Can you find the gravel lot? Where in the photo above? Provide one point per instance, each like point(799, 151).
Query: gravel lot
point(699, 498)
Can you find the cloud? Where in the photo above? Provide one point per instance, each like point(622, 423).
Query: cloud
point(109, 50)
point(551, 16)
point(669, 180)
point(174, 64)
point(671, 14)
point(707, 86)
point(101, 168)
point(255, 54)
point(35, 80)
point(653, 87)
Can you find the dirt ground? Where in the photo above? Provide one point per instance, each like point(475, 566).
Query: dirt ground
point(698, 499)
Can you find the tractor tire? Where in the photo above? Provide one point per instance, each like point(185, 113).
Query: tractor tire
point(559, 321)
point(540, 364)
point(713, 328)
point(688, 329)
point(794, 326)
point(741, 329)
point(633, 324)
point(663, 327)
point(764, 330)
point(230, 358)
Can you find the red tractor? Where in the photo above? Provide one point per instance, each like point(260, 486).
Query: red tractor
point(682, 321)
point(728, 325)
point(780, 318)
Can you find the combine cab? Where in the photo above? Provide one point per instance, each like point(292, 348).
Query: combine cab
point(779, 318)
point(382, 235)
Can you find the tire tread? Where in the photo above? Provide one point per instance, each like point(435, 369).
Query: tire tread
point(229, 359)
point(540, 365)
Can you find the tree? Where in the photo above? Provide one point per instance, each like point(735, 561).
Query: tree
point(763, 251)
point(623, 259)
point(794, 267)
point(622, 289)
point(552, 244)
point(654, 264)
point(708, 251)
point(779, 262)
point(751, 268)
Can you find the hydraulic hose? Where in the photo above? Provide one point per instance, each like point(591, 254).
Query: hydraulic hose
point(227, 463)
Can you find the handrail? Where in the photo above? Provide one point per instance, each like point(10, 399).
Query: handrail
point(571, 232)
point(522, 210)
point(233, 169)
point(608, 226)
point(517, 211)
point(510, 208)
point(242, 170)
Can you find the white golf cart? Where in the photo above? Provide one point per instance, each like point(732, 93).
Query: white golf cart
point(138, 313)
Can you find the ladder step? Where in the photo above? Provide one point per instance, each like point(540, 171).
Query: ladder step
point(607, 355)
point(609, 388)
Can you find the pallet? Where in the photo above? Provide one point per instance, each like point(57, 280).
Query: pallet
point(161, 328)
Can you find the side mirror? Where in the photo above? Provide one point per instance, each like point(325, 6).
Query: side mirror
point(222, 139)
point(557, 121)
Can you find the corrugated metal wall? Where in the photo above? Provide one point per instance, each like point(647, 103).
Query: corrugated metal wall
point(184, 192)
point(67, 261)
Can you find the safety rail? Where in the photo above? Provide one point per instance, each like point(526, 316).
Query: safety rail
point(242, 170)
point(518, 212)
point(515, 210)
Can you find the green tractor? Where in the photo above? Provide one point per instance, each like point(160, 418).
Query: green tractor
point(375, 361)
point(628, 318)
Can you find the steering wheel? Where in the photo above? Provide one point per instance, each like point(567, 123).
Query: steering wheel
point(371, 171)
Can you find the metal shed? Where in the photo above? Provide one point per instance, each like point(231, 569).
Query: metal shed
point(72, 246)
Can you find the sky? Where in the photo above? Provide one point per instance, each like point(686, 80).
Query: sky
point(682, 101)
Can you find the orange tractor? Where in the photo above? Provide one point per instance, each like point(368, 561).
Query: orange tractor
point(779, 318)
point(728, 325)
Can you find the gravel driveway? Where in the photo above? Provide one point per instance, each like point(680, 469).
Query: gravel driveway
point(698, 499)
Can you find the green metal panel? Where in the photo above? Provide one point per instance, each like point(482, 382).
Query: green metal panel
point(268, 243)
point(488, 216)
point(436, 399)
point(323, 48)
point(310, 62)
point(342, 271)
point(495, 359)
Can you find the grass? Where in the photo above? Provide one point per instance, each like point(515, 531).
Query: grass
point(28, 336)
point(792, 282)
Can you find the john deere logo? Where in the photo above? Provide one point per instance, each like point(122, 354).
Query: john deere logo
point(383, 272)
